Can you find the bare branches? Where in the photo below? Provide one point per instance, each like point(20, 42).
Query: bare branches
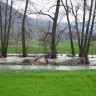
point(59, 35)
point(41, 13)
point(46, 14)
point(51, 8)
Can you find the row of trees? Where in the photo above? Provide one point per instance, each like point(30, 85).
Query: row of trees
point(84, 37)
point(84, 28)
point(6, 17)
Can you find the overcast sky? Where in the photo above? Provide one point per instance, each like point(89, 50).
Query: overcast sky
point(41, 5)
point(38, 5)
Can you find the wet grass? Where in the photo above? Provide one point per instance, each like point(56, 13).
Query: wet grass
point(35, 47)
point(48, 83)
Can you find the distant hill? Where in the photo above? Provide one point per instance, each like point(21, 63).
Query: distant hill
point(35, 28)
point(33, 25)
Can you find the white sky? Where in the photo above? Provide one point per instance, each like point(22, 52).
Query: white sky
point(39, 5)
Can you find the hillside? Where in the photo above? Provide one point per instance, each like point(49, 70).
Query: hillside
point(35, 27)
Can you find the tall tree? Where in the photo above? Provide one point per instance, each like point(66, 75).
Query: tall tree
point(54, 27)
point(67, 10)
point(82, 33)
point(84, 39)
point(53, 45)
point(1, 27)
point(86, 31)
point(75, 14)
point(90, 33)
point(23, 33)
point(5, 31)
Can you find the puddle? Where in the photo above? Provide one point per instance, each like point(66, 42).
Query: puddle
point(48, 67)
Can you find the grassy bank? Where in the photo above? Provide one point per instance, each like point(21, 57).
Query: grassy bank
point(48, 83)
point(36, 47)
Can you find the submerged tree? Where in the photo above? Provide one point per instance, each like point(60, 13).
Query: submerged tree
point(84, 37)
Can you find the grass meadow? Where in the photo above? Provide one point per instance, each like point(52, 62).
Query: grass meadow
point(36, 47)
point(47, 83)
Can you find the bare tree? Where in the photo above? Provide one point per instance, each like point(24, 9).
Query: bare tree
point(75, 14)
point(54, 26)
point(1, 26)
point(53, 45)
point(87, 29)
point(91, 30)
point(67, 10)
point(24, 54)
point(5, 30)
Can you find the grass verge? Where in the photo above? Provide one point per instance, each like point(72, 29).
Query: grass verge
point(36, 47)
point(48, 83)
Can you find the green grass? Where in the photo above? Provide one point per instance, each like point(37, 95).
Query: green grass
point(64, 47)
point(36, 47)
point(48, 83)
point(32, 47)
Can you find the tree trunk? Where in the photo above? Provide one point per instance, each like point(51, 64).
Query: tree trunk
point(86, 43)
point(76, 23)
point(91, 31)
point(24, 53)
point(87, 28)
point(69, 26)
point(7, 26)
point(84, 61)
point(82, 34)
point(1, 29)
point(71, 39)
point(53, 45)
point(70, 32)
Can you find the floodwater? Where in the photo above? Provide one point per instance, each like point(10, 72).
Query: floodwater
point(61, 58)
point(47, 67)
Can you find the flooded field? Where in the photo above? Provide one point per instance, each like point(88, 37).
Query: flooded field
point(60, 58)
